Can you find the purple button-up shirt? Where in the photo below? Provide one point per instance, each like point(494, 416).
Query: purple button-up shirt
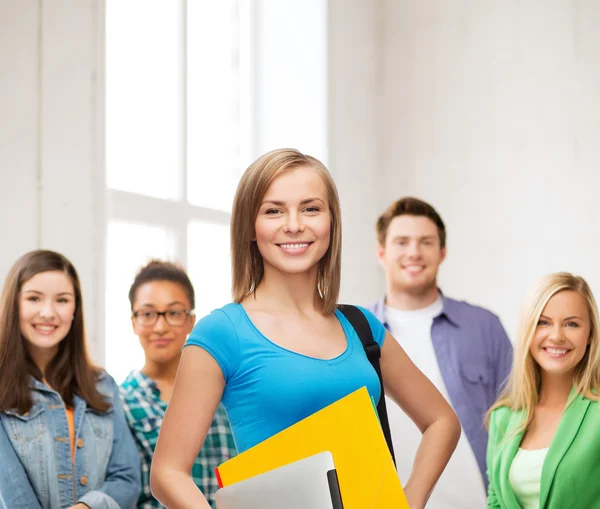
point(475, 358)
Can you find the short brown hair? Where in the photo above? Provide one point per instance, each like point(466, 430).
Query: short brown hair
point(246, 261)
point(409, 206)
point(159, 270)
point(71, 371)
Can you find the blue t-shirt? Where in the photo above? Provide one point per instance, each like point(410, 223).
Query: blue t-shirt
point(268, 388)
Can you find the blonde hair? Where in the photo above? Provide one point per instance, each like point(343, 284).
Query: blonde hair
point(246, 260)
point(521, 392)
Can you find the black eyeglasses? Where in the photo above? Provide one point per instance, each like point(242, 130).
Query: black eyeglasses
point(173, 317)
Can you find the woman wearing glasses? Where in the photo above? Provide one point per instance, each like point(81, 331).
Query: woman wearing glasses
point(64, 441)
point(162, 303)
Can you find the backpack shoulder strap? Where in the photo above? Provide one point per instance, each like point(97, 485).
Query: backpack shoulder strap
point(361, 325)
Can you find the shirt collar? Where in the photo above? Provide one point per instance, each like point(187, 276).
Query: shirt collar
point(142, 383)
point(34, 383)
point(449, 310)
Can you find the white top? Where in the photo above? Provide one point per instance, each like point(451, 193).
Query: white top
point(461, 485)
point(525, 476)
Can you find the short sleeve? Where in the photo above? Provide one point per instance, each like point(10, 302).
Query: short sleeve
point(217, 335)
point(377, 327)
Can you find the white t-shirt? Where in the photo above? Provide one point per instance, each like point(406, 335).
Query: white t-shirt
point(461, 485)
point(525, 476)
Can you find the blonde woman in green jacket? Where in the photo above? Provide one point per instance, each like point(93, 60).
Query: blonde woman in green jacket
point(544, 430)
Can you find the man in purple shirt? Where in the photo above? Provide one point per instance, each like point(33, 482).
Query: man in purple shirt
point(463, 349)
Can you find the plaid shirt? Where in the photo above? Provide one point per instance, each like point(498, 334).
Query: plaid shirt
point(145, 411)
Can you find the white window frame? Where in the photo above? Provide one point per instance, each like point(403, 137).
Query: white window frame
point(175, 215)
point(264, 118)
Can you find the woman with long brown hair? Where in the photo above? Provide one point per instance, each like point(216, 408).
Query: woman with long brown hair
point(282, 350)
point(64, 441)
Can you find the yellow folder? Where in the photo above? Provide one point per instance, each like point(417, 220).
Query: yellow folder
point(350, 430)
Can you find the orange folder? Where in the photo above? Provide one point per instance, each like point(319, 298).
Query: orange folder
point(350, 430)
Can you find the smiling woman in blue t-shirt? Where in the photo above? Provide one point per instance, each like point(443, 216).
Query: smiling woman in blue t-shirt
point(282, 351)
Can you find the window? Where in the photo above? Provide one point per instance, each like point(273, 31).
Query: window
point(177, 135)
point(144, 97)
point(218, 77)
point(208, 264)
point(193, 94)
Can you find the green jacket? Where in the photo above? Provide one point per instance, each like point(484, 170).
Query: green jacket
point(571, 471)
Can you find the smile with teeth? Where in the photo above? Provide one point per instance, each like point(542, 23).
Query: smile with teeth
point(294, 245)
point(414, 268)
point(45, 329)
point(556, 352)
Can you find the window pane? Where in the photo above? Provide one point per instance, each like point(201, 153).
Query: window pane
point(144, 48)
point(213, 94)
point(129, 246)
point(209, 265)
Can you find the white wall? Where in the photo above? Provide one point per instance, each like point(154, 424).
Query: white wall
point(491, 111)
point(290, 76)
point(354, 140)
point(19, 110)
point(52, 195)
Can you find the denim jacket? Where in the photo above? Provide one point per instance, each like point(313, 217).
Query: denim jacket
point(36, 467)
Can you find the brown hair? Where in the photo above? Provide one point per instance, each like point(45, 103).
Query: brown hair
point(409, 206)
point(70, 372)
point(246, 260)
point(158, 270)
